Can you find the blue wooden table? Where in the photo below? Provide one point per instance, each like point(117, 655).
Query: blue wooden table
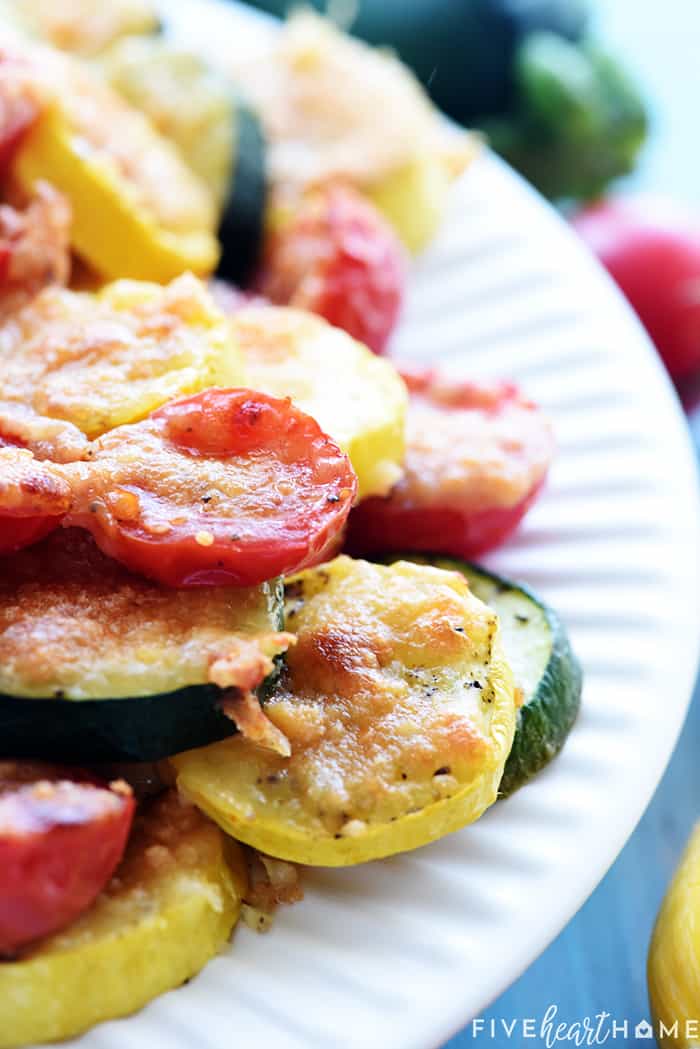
point(598, 962)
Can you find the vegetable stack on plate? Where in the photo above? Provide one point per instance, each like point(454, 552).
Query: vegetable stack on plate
point(198, 686)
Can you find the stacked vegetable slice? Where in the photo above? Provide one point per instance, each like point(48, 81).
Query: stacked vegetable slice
point(176, 483)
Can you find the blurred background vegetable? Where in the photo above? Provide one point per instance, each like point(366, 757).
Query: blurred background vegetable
point(652, 249)
point(557, 106)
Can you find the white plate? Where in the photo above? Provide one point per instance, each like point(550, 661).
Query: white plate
point(403, 952)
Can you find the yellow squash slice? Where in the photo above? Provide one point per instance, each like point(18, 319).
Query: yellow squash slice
point(394, 146)
point(105, 359)
point(355, 396)
point(673, 969)
point(138, 211)
point(399, 707)
point(414, 199)
point(169, 909)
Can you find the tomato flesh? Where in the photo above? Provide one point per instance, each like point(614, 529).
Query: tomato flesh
point(227, 487)
point(340, 259)
point(477, 457)
point(61, 840)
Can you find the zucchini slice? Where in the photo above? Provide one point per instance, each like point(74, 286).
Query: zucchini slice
point(355, 396)
point(242, 222)
point(105, 359)
point(543, 663)
point(99, 665)
point(138, 211)
point(399, 707)
point(170, 908)
point(220, 138)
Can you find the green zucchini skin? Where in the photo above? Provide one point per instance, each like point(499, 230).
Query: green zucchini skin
point(550, 708)
point(146, 728)
point(133, 728)
point(242, 222)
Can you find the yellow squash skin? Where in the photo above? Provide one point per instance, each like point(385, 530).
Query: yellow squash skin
point(105, 359)
point(673, 969)
point(414, 199)
point(169, 909)
point(399, 707)
point(138, 211)
point(355, 396)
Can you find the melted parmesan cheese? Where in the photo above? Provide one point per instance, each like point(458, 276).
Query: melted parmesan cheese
point(75, 624)
point(45, 438)
point(28, 487)
point(120, 140)
point(332, 107)
point(473, 458)
point(355, 396)
point(189, 103)
point(392, 700)
point(102, 360)
point(81, 26)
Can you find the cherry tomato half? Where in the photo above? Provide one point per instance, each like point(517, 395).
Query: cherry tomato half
point(476, 459)
point(33, 498)
point(227, 487)
point(61, 838)
point(339, 258)
point(652, 251)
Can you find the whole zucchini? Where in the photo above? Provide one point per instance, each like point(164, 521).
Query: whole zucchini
point(543, 663)
point(99, 665)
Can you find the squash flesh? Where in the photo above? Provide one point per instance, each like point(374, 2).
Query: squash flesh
point(400, 711)
point(102, 360)
point(169, 909)
point(355, 396)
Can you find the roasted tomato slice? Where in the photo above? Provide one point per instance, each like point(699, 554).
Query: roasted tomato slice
point(477, 456)
point(33, 497)
point(228, 487)
point(61, 838)
point(339, 258)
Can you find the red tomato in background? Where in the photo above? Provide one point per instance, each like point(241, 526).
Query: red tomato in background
point(652, 251)
point(62, 835)
point(339, 258)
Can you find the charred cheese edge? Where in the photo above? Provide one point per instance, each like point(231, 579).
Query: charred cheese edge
point(399, 707)
point(105, 359)
point(355, 396)
point(170, 908)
